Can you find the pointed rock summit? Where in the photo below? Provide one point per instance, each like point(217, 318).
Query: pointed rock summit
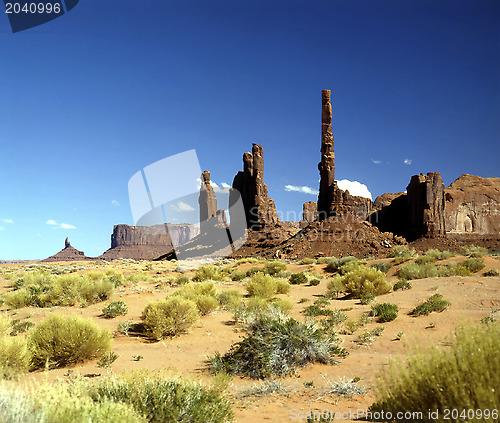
point(68, 253)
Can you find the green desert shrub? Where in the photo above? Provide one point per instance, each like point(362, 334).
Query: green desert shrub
point(209, 272)
point(256, 307)
point(238, 275)
point(274, 267)
point(114, 309)
point(401, 251)
point(203, 294)
point(282, 286)
point(439, 255)
point(366, 299)
point(365, 280)
point(334, 287)
point(261, 285)
point(230, 298)
point(253, 270)
point(316, 310)
point(181, 279)
point(439, 379)
point(170, 317)
point(474, 264)
point(402, 285)
point(115, 276)
point(383, 266)
point(314, 282)
point(385, 312)
point(425, 259)
point(160, 400)
point(433, 303)
point(62, 403)
point(412, 270)
point(298, 278)
point(59, 340)
point(492, 272)
point(307, 260)
point(14, 353)
point(334, 265)
point(453, 269)
point(277, 347)
point(474, 251)
point(139, 277)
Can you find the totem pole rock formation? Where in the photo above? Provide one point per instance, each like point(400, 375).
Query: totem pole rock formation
point(326, 166)
point(426, 205)
point(208, 205)
point(260, 210)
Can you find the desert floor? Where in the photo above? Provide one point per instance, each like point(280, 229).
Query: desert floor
point(472, 298)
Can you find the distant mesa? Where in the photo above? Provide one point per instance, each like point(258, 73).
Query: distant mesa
point(68, 253)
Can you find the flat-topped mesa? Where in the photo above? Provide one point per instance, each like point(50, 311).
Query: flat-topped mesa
point(260, 210)
point(326, 166)
point(426, 204)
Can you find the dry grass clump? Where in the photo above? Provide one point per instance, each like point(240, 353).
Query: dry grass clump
point(276, 346)
point(465, 377)
point(14, 354)
point(210, 273)
point(170, 317)
point(61, 340)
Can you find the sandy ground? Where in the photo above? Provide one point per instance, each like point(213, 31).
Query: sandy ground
point(472, 298)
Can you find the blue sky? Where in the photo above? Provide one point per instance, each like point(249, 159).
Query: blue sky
point(92, 97)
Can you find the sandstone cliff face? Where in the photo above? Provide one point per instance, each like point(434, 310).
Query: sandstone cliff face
point(309, 213)
point(148, 242)
point(473, 206)
point(426, 205)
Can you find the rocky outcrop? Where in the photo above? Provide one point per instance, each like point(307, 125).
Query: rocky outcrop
point(426, 205)
point(385, 200)
point(309, 213)
point(68, 253)
point(209, 215)
point(148, 242)
point(260, 209)
point(472, 206)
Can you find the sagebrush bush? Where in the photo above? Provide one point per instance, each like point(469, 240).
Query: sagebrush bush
point(492, 272)
point(383, 266)
point(307, 260)
point(261, 285)
point(282, 286)
point(334, 265)
point(170, 317)
point(314, 282)
point(139, 277)
point(253, 270)
point(14, 354)
point(238, 275)
point(425, 259)
point(402, 285)
point(274, 267)
point(230, 298)
point(401, 251)
point(62, 403)
point(277, 347)
point(439, 255)
point(474, 264)
point(62, 340)
point(161, 400)
point(181, 279)
point(385, 312)
point(440, 379)
point(203, 294)
point(41, 289)
point(334, 287)
point(115, 276)
point(412, 270)
point(209, 272)
point(474, 251)
point(453, 269)
point(365, 280)
point(298, 278)
point(366, 299)
point(433, 303)
point(115, 309)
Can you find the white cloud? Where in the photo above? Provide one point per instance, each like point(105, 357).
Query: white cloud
point(56, 225)
point(9, 221)
point(303, 189)
point(115, 203)
point(224, 185)
point(408, 161)
point(181, 206)
point(355, 188)
point(377, 162)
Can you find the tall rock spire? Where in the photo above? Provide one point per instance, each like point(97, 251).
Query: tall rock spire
point(207, 200)
point(326, 166)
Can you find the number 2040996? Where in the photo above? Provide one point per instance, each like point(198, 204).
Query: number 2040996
point(18, 8)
